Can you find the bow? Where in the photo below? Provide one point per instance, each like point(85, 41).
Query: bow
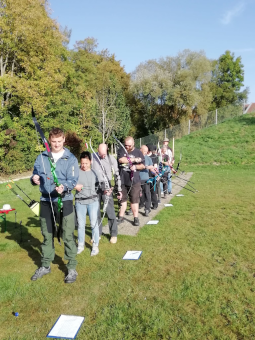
point(106, 183)
point(53, 172)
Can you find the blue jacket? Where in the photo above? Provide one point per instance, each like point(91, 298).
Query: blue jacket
point(67, 171)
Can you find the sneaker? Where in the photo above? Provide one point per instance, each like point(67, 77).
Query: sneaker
point(80, 249)
point(154, 207)
point(94, 251)
point(71, 277)
point(113, 239)
point(136, 222)
point(40, 272)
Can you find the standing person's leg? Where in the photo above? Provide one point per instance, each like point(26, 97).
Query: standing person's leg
point(124, 203)
point(154, 199)
point(134, 201)
point(158, 189)
point(100, 199)
point(164, 183)
point(142, 198)
point(147, 194)
point(48, 249)
point(68, 239)
point(112, 221)
point(93, 213)
point(169, 182)
point(81, 211)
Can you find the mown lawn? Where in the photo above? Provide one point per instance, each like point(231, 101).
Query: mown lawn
point(194, 280)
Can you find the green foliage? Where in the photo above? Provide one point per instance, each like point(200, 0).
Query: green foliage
point(38, 70)
point(170, 90)
point(227, 80)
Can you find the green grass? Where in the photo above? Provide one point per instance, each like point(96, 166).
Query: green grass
point(194, 280)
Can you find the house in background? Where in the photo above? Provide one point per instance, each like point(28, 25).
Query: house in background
point(249, 108)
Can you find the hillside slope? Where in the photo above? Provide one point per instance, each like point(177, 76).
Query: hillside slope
point(231, 142)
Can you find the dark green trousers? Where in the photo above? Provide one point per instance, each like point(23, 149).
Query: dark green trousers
point(47, 227)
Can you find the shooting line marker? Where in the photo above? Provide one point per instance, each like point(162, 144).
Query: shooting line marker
point(153, 222)
point(132, 255)
point(66, 327)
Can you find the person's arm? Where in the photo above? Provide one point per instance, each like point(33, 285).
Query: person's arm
point(72, 175)
point(116, 173)
point(35, 178)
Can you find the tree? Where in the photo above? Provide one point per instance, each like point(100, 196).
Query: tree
point(227, 80)
point(171, 89)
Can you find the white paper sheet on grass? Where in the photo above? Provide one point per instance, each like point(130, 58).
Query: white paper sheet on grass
point(180, 195)
point(66, 327)
point(132, 255)
point(168, 205)
point(153, 222)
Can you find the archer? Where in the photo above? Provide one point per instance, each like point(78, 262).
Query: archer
point(56, 171)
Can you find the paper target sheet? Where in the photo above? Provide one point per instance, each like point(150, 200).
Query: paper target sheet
point(132, 255)
point(179, 195)
point(168, 205)
point(153, 222)
point(66, 327)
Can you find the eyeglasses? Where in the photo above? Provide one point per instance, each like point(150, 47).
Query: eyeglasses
point(128, 145)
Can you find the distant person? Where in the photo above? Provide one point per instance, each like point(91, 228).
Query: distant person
point(154, 188)
point(145, 200)
point(86, 200)
point(166, 170)
point(169, 153)
point(130, 187)
point(67, 171)
point(107, 169)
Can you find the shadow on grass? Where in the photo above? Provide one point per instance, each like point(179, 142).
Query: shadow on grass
point(21, 235)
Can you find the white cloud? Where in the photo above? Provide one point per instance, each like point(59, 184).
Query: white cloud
point(232, 13)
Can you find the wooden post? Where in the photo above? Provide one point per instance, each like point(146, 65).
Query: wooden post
point(216, 117)
point(173, 146)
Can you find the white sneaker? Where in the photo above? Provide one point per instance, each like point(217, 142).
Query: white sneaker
point(113, 239)
point(94, 251)
point(80, 249)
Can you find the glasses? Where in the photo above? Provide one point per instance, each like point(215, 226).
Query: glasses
point(128, 145)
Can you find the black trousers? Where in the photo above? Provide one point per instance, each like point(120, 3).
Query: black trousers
point(145, 199)
point(110, 211)
point(155, 194)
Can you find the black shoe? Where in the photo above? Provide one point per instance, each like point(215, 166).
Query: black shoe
point(136, 222)
point(71, 277)
point(146, 213)
point(120, 220)
point(159, 201)
point(40, 272)
point(154, 207)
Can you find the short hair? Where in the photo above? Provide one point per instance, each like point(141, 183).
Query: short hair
point(85, 154)
point(56, 132)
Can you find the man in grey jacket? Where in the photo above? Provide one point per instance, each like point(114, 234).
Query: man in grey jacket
point(107, 169)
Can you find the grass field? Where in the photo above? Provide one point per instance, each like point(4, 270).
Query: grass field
point(194, 280)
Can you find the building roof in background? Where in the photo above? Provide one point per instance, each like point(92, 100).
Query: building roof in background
point(249, 108)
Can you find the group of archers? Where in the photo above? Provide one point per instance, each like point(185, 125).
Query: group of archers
point(134, 172)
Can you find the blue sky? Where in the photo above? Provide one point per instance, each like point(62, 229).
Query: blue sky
point(138, 30)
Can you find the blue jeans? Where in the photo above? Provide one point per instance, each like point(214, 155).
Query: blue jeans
point(81, 211)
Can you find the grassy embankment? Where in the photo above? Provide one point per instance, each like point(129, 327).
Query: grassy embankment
point(195, 279)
